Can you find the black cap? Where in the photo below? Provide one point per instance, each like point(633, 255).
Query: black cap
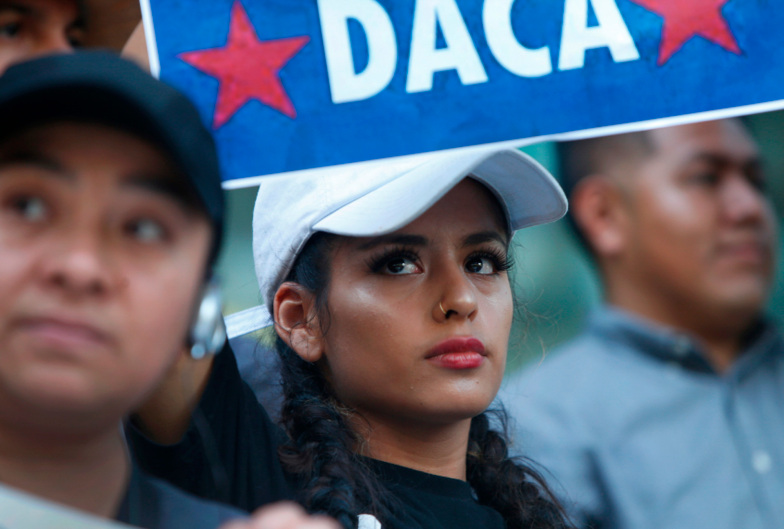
point(100, 87)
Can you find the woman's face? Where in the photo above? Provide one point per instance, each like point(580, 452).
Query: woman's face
point(418, 320)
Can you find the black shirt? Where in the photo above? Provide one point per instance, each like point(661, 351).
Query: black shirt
point(427, 501)
point(229, 453)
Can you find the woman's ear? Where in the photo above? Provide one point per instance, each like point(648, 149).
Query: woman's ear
point(297, 322)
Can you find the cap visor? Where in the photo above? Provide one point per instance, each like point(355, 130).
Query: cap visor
point(527, 192)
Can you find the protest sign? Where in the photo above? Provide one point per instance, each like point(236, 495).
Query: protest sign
point(290, 85)
point(23, 511)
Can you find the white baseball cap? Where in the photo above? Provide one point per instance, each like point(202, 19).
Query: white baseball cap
point(378, 198)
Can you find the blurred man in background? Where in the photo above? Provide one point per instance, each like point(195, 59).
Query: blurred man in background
point(668, 410)
point(29, 28)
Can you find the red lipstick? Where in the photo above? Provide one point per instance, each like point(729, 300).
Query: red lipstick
point(458, 353)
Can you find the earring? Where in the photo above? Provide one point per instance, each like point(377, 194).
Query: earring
point(442, 308)
point(208, 332)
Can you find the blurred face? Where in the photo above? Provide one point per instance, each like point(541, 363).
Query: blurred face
point(390, 350)
point(101, 265)
point(29, 28)
point(701, 232)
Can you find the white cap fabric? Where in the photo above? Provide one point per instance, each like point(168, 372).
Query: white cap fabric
point(374, 199)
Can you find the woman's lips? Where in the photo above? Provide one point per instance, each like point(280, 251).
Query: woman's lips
point(458, 353)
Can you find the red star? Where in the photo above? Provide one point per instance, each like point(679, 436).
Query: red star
point(683, 19)
point(247, 68)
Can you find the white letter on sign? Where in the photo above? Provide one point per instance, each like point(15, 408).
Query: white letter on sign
point(345, 83)
point(611, 32)
point(459, 53)
point(522, 61)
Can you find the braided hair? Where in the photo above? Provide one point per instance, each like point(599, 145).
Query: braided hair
point(322, 445)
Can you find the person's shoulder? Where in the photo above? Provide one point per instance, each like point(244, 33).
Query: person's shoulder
point(566, 365)
point(567, 388)
point(167, 507)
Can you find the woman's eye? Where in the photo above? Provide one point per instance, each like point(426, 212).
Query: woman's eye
point(147, 230)
point(30, 208)
point(398, 261)
point(401, 265)
point(481, 265)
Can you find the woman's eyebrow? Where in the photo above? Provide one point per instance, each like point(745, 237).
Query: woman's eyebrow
point(484, 237)
point(399, 239)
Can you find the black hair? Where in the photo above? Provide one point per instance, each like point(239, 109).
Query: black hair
point(321, 442)
point(322, 446)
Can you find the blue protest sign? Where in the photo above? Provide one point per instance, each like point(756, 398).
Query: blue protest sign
point(289, 85)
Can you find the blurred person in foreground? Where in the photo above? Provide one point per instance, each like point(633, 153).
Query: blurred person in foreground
point(30, 28)
point(111, 212)
point(668, 409)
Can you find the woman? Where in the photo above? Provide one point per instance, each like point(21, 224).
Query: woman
point(392, 307)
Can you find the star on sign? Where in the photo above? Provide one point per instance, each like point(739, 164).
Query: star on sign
point(684, 19)
point(247, 68)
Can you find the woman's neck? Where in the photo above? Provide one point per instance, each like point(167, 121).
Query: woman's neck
point(87, 473)
point(439, 450)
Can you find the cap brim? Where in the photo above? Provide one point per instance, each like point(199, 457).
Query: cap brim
point(527, 192)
